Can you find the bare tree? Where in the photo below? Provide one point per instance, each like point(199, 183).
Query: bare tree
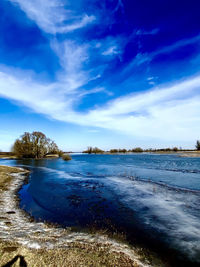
point(34, 145)
point(52, 147)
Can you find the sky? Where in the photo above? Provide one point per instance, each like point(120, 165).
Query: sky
point(109, 73)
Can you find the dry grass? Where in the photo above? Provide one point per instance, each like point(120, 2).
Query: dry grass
point(7, 157)
point(186, 154)
point(190, 154)
point(76, 255)
point(52, 156)
point(5, 178)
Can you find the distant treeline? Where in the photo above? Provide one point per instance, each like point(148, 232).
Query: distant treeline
point(96, 150)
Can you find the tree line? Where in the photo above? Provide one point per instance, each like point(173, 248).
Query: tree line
point(96, 150)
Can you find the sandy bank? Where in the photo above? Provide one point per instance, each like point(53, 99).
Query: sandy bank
point(190, 154)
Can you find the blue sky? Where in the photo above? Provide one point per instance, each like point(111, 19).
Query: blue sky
point(114, 73)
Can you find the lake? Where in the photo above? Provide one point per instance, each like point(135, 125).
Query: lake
point(152, 199)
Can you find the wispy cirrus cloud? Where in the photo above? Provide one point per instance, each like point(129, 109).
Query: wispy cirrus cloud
point(151, 32)
point(111, 51)
point(54, 16)
point(142, 58)
point(72, 56)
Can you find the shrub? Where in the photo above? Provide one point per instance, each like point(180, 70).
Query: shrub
point(97, 150)
point(114, 151)
point(122, 150)
point(137, 150)
point(89, 150)
point(60, 153)
point(66, 157)
point(198, 145)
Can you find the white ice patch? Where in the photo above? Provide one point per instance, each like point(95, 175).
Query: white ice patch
point(63, 174)
point(175, 213)
point(29, 244)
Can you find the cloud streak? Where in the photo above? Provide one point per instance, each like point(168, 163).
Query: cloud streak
point(142, 58)
point(54, 16)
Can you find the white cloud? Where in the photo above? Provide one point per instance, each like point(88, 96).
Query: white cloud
point(85, 20)
point(142, 58)
point(142, 101)
point(40, 97)
point(72, 56)
point(110, 51)
point(53, 16)
point(170, 113)
point(143, 32)
point(94, 91)
point(109, 46)
point(150, 78)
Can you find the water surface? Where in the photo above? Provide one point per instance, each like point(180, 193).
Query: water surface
point(153, 199)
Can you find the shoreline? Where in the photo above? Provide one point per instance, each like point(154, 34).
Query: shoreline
point(18, 230)
point(186, 154)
